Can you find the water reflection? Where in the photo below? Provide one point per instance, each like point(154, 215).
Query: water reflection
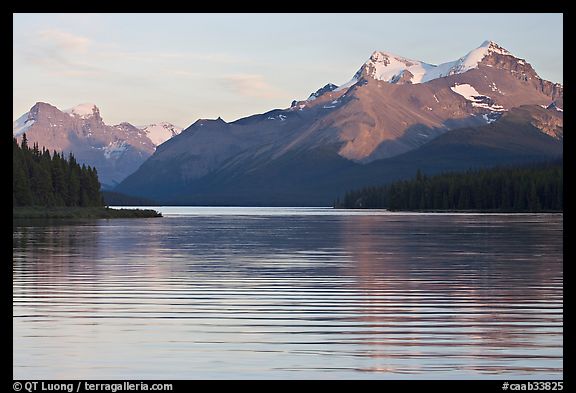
point(463, 300)
point(283, 295)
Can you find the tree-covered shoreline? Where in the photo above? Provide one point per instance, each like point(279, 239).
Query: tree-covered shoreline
point(80, 212)
point(528, 188)
point(48, 185)
point(43, 179)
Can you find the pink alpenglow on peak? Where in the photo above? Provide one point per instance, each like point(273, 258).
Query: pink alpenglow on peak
point(83, 111)
point(391, 68)
point(160, 132)
point(115, 150)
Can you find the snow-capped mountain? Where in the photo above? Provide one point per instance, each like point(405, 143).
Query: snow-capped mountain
point(474, 89)
point(387, 67)
point(115, 150)
point(161, 132)
point(392, 106)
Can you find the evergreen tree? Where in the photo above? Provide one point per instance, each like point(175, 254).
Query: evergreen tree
point(24, 142)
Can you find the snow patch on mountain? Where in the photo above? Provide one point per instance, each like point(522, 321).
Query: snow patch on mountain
point(114, 149)
point(553, 106)
point(83, 111)
point(279, 117)
point(348, 84)
point(491, 117)
point(20, 125)
point(467, 91)
point(495, 88)
point(478, 100)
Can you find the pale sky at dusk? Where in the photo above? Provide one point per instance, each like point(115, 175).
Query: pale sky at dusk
point(145, 68)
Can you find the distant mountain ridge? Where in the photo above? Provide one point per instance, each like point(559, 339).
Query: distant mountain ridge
point(115, 150)
point(359, 133)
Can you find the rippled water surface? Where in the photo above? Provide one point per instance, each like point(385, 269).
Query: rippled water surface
point(289, 293)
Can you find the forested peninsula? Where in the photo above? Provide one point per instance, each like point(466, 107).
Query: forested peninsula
point(48, 185)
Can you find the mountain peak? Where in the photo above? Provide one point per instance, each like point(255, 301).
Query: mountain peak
point(125, 125)
point(475, 56)
point(492, 46)
point(202, 122)
point(391, 68)
point(42, 107)
point(325, 89)
point(384, 57)
point(83, 111)
point(388, 67)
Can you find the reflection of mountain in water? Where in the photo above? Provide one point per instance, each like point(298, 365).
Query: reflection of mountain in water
point(464, 287)
point(390, 294)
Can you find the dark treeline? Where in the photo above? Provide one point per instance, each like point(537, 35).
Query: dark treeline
point(42, 179)
point(534, 187)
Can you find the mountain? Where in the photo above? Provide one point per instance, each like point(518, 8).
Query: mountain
point(161, 132)
point(115, 150)
point(393, 107)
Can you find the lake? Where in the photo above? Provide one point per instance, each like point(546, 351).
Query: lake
point(289, 293)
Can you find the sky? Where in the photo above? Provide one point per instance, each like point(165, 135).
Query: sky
point(148, 68)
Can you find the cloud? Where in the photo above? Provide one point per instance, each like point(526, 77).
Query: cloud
point(64, 40)
point(112, 52)
point(59, 53)
point(184, 73)
point(59, 63)
point(62, 53)
point(251, 85)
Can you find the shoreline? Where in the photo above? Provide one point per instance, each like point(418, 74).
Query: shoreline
point(494, 211)
point(62, 212)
